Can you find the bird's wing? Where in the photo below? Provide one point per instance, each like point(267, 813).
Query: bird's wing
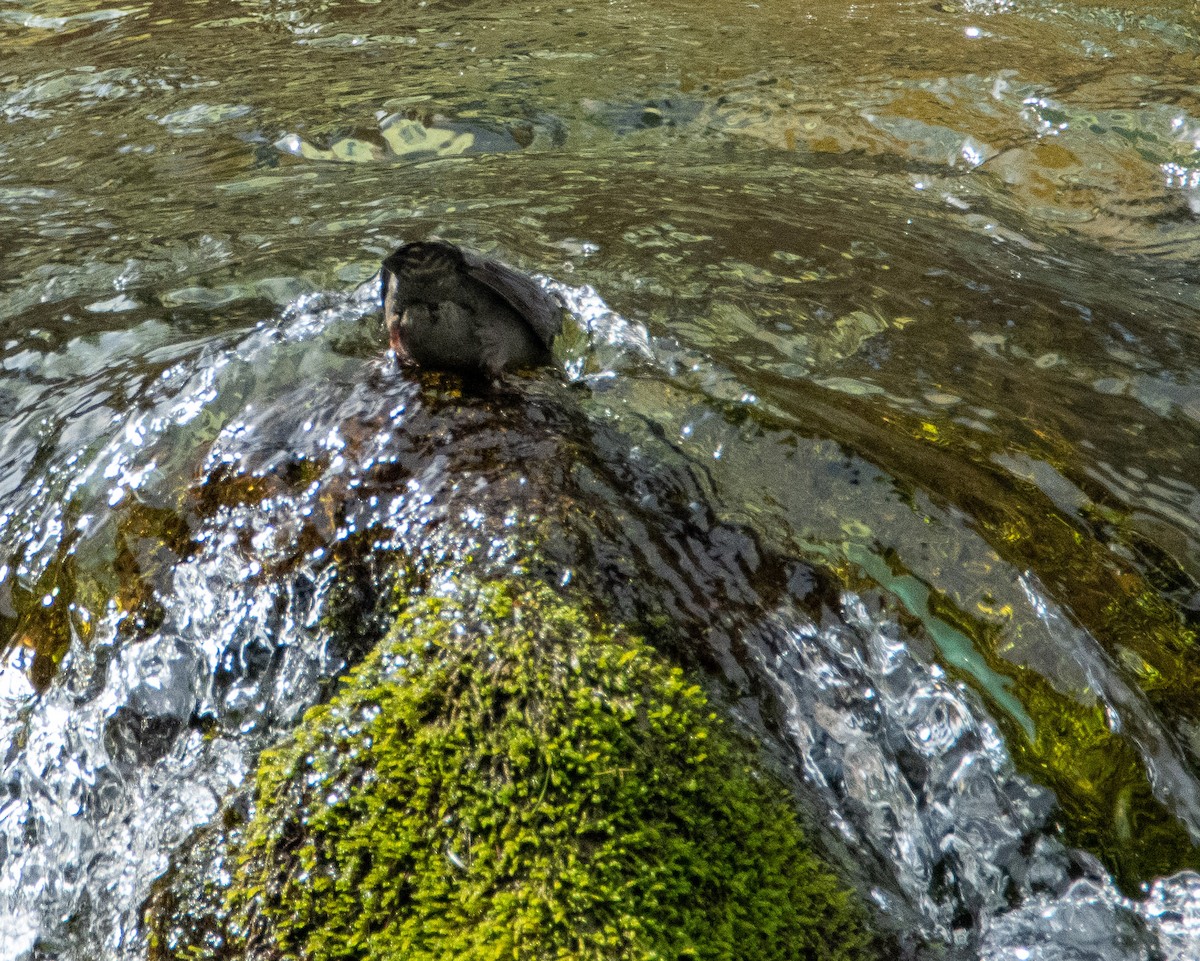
point(541, 308)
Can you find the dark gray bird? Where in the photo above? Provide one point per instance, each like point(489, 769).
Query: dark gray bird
point(450, 309)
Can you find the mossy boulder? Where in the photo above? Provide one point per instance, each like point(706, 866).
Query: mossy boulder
point(507, 777)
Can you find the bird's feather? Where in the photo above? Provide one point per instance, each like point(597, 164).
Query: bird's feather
point(538, 306)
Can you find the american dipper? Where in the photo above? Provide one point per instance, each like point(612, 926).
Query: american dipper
point(450, 309)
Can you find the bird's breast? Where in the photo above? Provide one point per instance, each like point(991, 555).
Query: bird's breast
point(440, 335)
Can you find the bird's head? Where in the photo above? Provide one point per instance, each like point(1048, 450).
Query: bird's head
point(423, 273)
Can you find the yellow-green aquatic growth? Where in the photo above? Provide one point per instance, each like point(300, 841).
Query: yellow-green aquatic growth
point(507, 778)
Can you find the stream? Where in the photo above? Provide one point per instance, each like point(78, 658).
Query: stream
point(879, 411)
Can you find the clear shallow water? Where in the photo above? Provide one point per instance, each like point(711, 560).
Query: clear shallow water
point(889, 408)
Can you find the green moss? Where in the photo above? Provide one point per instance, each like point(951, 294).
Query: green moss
point(505, 778)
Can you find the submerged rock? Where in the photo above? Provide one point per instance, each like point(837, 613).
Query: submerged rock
point(506, 776)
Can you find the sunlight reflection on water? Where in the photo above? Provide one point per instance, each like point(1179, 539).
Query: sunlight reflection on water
point(908, 295)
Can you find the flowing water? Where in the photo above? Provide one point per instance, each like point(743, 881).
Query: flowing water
point(882, 414)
